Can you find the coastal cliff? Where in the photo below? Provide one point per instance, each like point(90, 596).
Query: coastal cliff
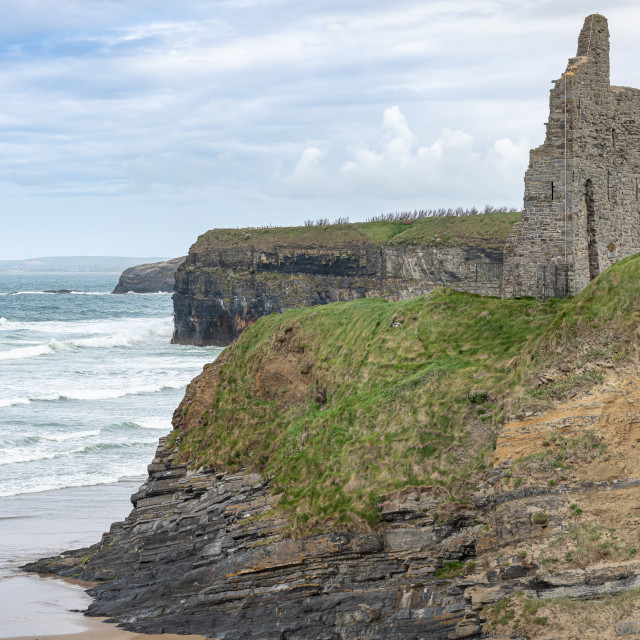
point(149, 278)
point(233, 277)
point(334, 475)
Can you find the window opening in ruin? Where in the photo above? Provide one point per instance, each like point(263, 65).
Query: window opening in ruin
point(552, 188)
point(592, 246)
point(608, 185)
point(637, 189)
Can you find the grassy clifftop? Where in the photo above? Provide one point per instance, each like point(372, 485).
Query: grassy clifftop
point(343, 404)
point(486, 230)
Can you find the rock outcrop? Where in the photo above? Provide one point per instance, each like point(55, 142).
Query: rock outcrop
point(199, 554)
point(149, 278)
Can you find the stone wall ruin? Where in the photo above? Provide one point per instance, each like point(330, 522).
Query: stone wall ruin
point(582, 187)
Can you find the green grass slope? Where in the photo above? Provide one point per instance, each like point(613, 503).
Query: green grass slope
point(342, 404)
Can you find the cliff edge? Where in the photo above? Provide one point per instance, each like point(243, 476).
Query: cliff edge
point(232, 277)
point(149, 278)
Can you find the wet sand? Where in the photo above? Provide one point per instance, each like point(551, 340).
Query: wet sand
point(96, 629)
point(50, 607)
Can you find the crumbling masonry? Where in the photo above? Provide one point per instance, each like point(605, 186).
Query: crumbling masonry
point(582, 187)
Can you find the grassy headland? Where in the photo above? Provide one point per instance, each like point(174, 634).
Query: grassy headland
point(342, 404)
point(487, 230)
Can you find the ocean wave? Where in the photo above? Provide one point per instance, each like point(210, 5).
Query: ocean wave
point(109, 394)
point(3, 321)
point(152, 424)
point(159, 423)
point(10, 402)
point(124, 339)
point(39, 440)
point(31, 293)
point(22, 455)
point(116, 446)
point(20, 353)
point(101, 393)
point(73, 435)
point(69, 480)
point(58, 293)
point(99, 333)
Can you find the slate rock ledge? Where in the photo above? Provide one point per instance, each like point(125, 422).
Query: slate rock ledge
point(194, 556)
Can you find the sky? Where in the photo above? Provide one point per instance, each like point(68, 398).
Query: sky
point(129, 127)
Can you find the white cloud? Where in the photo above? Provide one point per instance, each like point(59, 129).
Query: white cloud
point(398, 166)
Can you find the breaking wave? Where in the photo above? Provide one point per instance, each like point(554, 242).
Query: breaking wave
point(31, 352)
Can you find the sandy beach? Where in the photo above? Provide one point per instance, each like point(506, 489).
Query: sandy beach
point(97, 629)
point(49, 607)
point(40, 524)
point(96, 632)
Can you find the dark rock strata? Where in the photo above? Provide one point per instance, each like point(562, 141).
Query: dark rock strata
point(202, 553)
point(198, 555)
point(149, 278)
point(221, 292)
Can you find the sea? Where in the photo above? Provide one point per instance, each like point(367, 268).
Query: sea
point(88, 383)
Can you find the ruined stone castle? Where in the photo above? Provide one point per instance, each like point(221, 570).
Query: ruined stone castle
point(581, 214)
point(582, 187)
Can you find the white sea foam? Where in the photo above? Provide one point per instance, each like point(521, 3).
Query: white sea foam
point(19, 455)
point(126, 338)
point(161, 423)
point(109, 394)
point(30, 352)
point(74, 479)
point(10, 402)
point(102, 326)
point(74, 435)
point(32, 293)
point(101, 392)
point(3, 321)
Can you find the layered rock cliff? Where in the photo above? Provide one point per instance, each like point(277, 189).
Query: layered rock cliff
point(233, 277)
point(149, 278)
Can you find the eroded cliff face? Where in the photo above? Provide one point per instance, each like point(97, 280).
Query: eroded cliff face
point(553, 522)
point(221, 291)
point(149, 278)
